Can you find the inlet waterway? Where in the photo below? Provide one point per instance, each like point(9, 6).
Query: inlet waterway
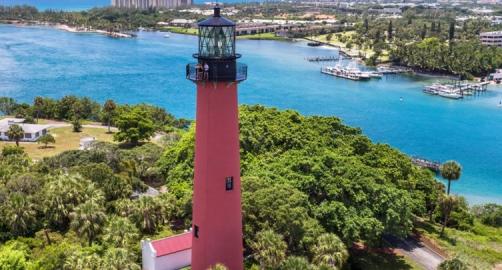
point(38, 61)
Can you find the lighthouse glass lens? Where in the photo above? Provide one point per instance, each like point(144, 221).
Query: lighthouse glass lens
point(216, 42)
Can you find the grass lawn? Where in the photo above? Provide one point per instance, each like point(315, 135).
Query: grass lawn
point(354, 51)
point(481, 247)
point(66, 139)
point(182, 30)
point(264, 36)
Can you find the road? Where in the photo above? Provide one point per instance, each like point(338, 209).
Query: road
point(416, 251)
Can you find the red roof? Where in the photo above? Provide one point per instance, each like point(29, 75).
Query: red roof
point(173, 244)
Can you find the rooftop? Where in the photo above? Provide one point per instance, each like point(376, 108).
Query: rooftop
point(27, 128)
point(172, 244)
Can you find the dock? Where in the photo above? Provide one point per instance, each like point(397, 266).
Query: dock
point(322, 58)
point(434, 166)
point(456, 89)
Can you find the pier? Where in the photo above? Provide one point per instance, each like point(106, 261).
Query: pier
point(434, 166)
point(322, 58)
point(456, 89)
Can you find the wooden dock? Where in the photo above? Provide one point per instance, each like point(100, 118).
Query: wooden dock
point(434, 166)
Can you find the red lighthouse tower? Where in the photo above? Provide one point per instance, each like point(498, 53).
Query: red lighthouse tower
point(217, 217)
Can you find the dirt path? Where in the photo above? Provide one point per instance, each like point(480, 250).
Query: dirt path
point(416, 251)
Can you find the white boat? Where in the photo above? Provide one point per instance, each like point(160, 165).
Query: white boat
point(167, 36)
point(450, 94)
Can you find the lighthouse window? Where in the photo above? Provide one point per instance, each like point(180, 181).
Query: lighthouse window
point(229, 183)
point(196, 231)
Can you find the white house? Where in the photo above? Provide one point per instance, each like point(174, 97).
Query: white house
point(170, 253)
point(31, 131)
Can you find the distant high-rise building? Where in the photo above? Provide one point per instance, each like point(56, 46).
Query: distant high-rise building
point(144, 4)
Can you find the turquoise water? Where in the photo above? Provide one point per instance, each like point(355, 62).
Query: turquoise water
point(150, 68)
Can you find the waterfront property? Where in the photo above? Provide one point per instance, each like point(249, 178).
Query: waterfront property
point(491, 38)
point(32, 132)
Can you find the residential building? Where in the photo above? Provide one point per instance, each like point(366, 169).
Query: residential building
point(145, 4)
point(491, 38)
point(32, 132)
point(170, 253)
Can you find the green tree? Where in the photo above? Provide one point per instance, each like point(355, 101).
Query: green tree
point(7, 105)
point(296, 263)
point(453, 264)
point(149, 214)
point(109, 109)
point(12, 259)
point(46, 140)
point(38, 103)
point(446, 204)
point(62, 194)
point(134, 126)
point(119, 259)
point(423, 34)
point(121, 233)
point(15, 133)
point(77, 124)
point(450, 171)
point(269, 249)
point(451, 31)
point(83, 260)
point(330, 251)
point(20, 214)
point(88, 219)
point(13, 150)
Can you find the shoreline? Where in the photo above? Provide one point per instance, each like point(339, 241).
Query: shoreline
point(68, 28)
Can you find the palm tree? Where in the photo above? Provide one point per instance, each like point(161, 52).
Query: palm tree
point(149, 214)
point(88, 219)
point(269, 249)
point(296, 263)
point(447, 204)
point(82, 260)
point(120, 232)
point(109, 110)
point(330, 251)
point(15, 133)
point(19, 213)
point(451, 171)
point(38, 103)
point(119, 259)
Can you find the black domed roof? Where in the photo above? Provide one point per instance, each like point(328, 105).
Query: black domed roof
point(217, 20)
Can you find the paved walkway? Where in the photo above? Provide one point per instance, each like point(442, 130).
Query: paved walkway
point(416, 251)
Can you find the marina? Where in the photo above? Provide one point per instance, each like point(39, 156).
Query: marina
point(322, 58)
point(456, 89)
point(350, 72)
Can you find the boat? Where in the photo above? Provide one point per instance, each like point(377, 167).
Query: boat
point(167, 36)
point(340, 72)
point(314, 44)
point(450, 94)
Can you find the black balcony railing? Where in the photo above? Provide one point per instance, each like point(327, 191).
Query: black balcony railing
point(221, 71)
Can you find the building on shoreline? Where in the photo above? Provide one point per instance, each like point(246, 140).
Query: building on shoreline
point(491, 38)
point(145, 4)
